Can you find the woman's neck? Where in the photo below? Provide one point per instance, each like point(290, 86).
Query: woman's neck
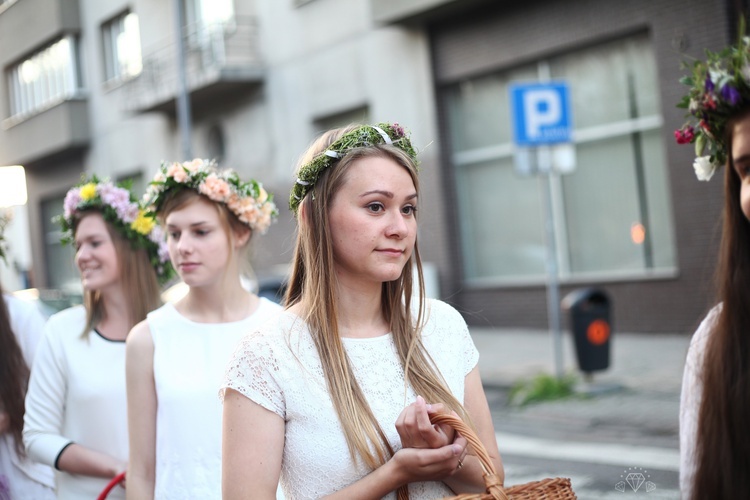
point(116, 323)
point(221, 304)
point(360, 313)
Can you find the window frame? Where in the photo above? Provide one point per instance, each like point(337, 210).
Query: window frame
point(467, 158)
point(113, 67)
point(25, 101)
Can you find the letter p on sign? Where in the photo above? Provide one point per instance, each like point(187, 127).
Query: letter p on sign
point(540, 113)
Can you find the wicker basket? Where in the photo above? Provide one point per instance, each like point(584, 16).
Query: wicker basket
point(557, 488)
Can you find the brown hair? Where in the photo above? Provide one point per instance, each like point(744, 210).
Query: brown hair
point(313, 279)
point(137, 277)
point(723, 443)
point(14, 377)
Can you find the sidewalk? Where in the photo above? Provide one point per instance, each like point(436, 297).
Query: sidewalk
point(644, 411)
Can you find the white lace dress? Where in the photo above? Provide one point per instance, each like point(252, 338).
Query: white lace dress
point(279, 369)
point(189, 362)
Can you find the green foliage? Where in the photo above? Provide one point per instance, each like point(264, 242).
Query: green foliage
point(542, 387)
point(364, 136)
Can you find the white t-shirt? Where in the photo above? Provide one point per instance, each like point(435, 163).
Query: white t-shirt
point(25, 478)
point(279, 368)
point(189, 363)
point(76, 395)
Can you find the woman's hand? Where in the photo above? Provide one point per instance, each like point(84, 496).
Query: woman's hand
point(434, 464)
point(415, 429)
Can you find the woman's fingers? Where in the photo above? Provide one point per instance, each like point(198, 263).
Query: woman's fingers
point(429, 464)
point(433, 436)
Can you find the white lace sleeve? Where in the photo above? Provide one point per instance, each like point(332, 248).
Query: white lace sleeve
point(253, 372)
point(451, 327)
point(469, 350)
point(690, 399)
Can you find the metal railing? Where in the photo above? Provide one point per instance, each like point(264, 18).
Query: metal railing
point(210, 49)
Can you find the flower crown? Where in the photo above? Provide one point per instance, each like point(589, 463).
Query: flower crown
point(252, 205)
point(719, 88)
point(364, 136)
point(120, 208)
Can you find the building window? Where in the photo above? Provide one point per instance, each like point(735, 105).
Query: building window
point(121, 42)
point(206, 23)
point(45, 79)
point(4, 4)
point(215, 143)
point(612, 214)
point(202, 14)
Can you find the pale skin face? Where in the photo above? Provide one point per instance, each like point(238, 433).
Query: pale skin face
point(741, 159)
point(197, 243)
point(96, 257)
point(373, 222)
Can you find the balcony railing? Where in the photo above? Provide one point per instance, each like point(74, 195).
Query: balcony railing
point(221, 60)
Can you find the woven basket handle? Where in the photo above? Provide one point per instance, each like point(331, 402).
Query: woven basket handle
point(491, 480)
point(114, 482)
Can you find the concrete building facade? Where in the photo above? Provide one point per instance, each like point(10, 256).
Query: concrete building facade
point(92, 86)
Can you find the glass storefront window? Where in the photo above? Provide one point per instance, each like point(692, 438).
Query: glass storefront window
point(612, 214)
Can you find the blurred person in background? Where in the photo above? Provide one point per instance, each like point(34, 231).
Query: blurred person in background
point(715, 403)
point(76, 415)
point(177, 356)
point(21, 325)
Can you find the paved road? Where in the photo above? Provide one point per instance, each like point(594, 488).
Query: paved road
point(628, 426)
point(596, 441)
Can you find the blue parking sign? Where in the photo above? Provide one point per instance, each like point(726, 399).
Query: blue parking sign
point(540, 113)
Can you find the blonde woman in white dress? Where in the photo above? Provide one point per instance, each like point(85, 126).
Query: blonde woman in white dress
point(333, 398)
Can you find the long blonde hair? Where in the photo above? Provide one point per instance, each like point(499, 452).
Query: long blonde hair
point(137, 277)
point(313, 280)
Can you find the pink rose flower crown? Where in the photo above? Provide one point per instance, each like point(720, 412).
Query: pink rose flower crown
point(252, 205)
point(119, 207)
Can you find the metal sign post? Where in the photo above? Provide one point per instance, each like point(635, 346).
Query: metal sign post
point(542, 124)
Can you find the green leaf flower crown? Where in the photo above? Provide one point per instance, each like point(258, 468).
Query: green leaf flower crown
point(364, 136)
point(120, 208)
point(719, 88)
point(252, 205)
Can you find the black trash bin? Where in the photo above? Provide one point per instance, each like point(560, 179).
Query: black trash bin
point(591, 326)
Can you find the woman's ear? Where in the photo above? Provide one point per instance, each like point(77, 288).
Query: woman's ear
point(241, 237)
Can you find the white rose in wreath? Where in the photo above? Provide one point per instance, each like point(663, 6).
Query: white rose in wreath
point(704, 169)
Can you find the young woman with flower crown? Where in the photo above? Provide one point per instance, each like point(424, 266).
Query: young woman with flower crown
point(76, 415)
point(333, 398)
point(176, 358)
point(715, 403)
